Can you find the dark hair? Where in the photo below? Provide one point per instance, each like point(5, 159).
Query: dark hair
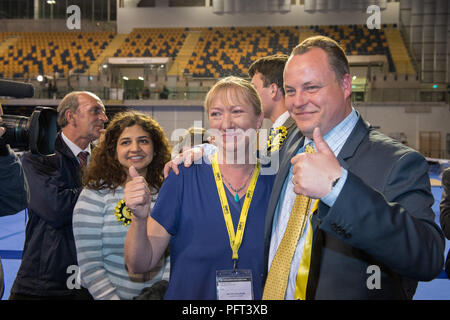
point(336, 55)
point(271, 69)
point(106, 172)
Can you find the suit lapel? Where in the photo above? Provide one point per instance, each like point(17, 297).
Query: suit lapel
point(63, 148)
point(353, 141)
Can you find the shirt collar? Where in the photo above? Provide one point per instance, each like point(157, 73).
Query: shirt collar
point(73, 147)
point(281, 120)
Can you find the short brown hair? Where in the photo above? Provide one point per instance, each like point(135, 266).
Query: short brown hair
point(106, 172)
point(241, 89)
point(336, 55)
point(271, 69)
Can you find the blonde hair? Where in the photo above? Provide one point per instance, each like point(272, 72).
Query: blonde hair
point(240, 90)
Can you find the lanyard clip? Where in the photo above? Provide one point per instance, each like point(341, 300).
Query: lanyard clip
point(235, 265)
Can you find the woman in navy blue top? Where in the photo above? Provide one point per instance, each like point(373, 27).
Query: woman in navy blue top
point(199, 244)
point(192, 209)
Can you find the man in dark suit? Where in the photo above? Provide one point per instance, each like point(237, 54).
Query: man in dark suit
point(444, 217)
point(373, 234)
point(55, 184)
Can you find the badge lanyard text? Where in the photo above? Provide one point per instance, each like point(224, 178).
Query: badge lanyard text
point(235, 238)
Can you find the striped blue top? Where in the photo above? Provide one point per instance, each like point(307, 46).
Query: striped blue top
point(99, 240)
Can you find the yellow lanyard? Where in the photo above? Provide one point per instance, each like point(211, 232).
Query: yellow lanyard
point(235, 238)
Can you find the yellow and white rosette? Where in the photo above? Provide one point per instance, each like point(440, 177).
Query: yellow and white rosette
point(123, 213)
point(276, 140)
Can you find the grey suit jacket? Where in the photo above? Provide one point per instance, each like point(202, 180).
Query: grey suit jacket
point(381, 218)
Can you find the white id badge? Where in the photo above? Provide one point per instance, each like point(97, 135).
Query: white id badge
point(234, 284)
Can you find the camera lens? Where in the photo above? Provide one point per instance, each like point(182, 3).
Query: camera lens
point(36, 133)
point(16, 134)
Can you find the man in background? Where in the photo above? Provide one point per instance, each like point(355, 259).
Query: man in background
point(266, 75)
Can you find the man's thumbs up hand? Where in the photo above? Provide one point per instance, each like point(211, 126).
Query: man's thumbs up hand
point(137, 195)
point(320, 143)
point(314, 174)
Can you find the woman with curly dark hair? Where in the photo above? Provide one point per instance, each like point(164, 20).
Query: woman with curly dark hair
point(105, 171)
point(100, 220)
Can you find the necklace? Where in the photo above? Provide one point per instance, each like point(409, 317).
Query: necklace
point(237, 190)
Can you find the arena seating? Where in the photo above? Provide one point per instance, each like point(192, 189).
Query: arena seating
point(225, 51)
point(358, 40)
point(218, 51)
point(155, 42)
point(36, 53)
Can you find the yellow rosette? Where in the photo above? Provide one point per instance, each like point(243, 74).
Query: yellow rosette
point(123, 213)
point(276, 140)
